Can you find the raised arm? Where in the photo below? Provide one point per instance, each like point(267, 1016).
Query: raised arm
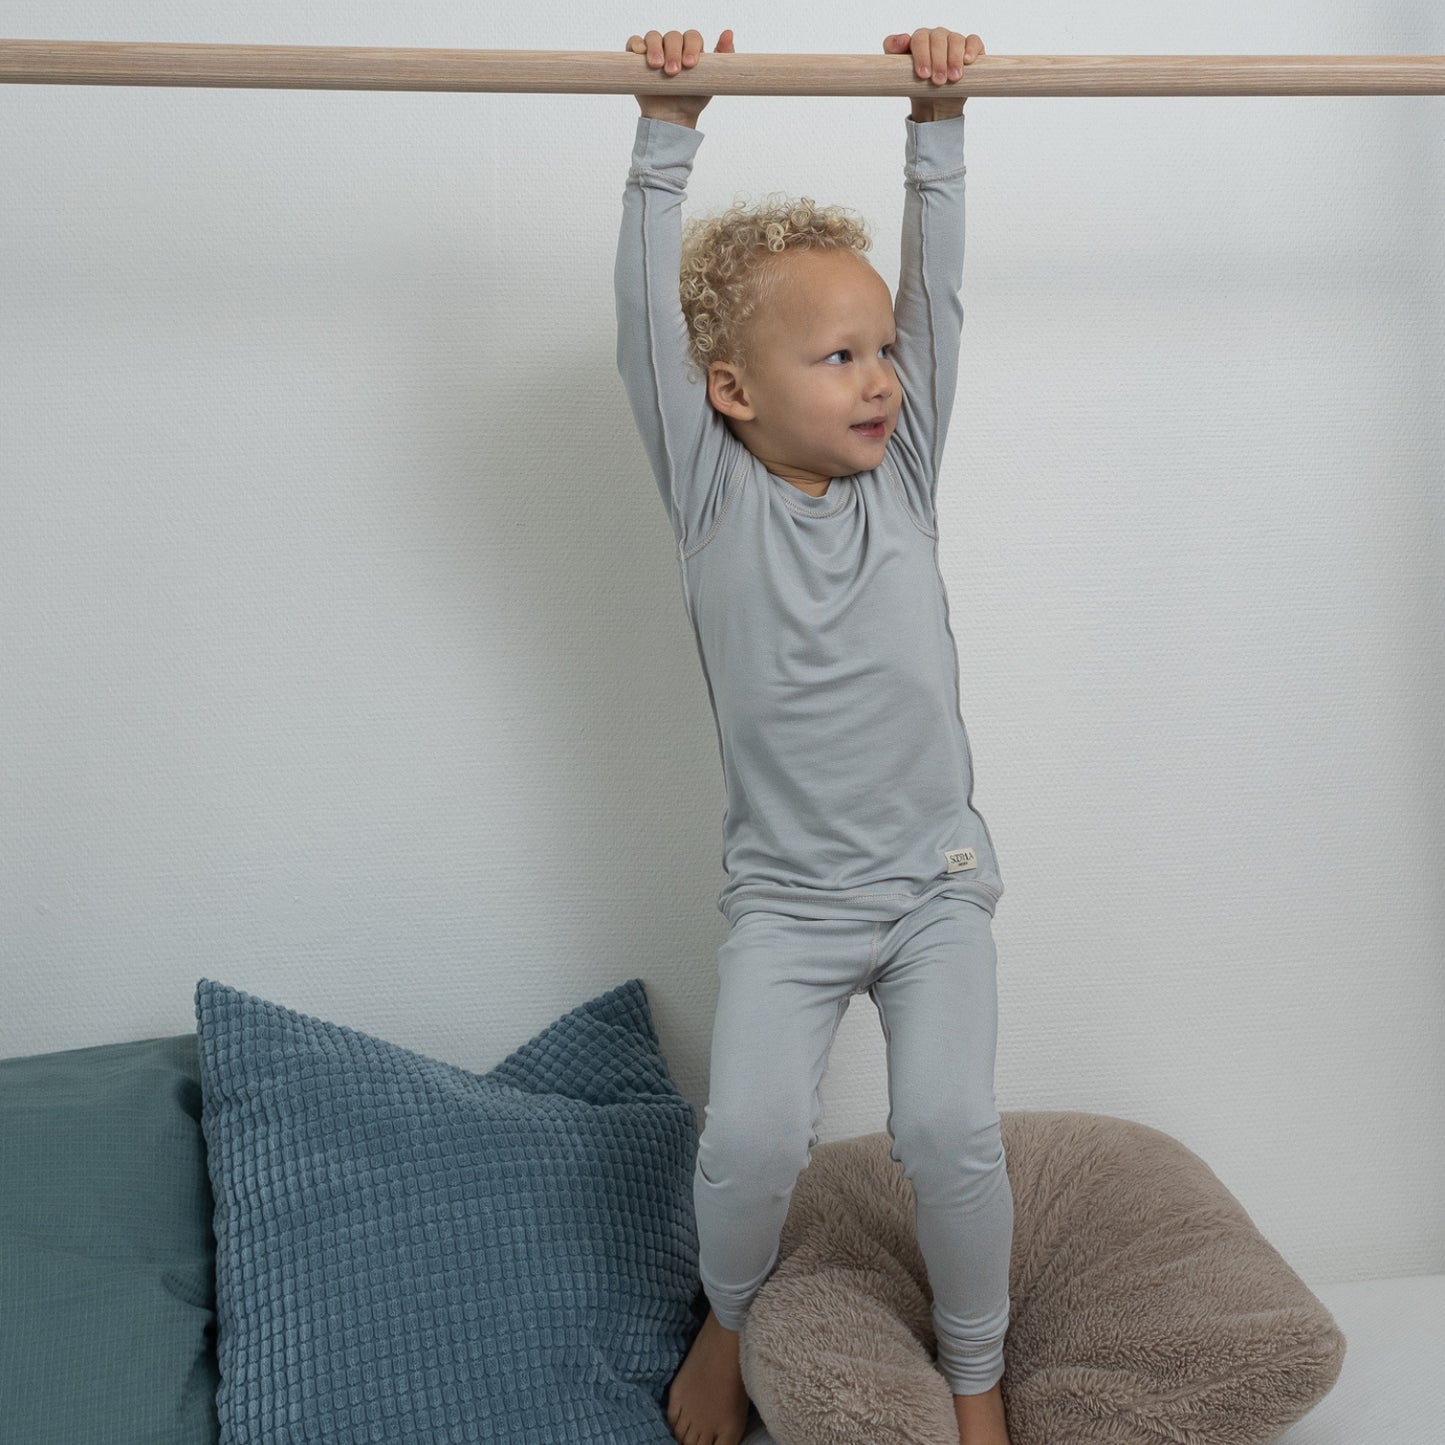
point(683, 436)
point(928, 307)
point(685, 440)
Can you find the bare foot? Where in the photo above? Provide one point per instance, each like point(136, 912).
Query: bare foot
point(707, 1403)
point(981, 1418)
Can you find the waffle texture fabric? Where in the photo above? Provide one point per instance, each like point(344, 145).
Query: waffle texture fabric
point(407, 1251)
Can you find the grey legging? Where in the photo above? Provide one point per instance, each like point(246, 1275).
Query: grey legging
point(785, 984)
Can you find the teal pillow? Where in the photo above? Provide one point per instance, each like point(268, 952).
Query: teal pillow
point(107, 1322)
point(409, 1252)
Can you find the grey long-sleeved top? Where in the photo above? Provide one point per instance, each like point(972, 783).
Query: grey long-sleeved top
point(822, 622)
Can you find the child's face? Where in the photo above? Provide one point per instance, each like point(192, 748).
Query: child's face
point(824, 363)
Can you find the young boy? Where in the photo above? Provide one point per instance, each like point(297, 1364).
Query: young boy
point(801, 493)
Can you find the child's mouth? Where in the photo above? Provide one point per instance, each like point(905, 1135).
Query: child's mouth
point(875, 431)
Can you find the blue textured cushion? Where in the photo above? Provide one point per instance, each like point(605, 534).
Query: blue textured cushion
point(406, 1251)
point(106, 1300)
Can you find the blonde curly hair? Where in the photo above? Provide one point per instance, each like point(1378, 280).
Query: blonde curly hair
point(728, 275)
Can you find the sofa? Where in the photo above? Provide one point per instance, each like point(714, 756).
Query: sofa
point(280, 1229)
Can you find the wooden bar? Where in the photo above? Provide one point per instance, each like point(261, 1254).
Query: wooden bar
point(315, 67)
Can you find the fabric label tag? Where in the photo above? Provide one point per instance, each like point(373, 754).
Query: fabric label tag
point(961, 859)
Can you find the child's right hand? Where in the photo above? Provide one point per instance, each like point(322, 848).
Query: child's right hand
point(670, 53)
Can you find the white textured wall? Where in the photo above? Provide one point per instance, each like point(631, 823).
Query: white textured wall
point(342, 653)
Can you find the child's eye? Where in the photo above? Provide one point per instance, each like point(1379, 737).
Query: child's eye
point(844, 351)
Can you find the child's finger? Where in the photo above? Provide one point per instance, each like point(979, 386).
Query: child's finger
point(921, 43)
point(939, 49)
point(957, 55)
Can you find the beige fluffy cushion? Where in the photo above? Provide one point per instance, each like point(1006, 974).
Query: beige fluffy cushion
point(1145, 1306)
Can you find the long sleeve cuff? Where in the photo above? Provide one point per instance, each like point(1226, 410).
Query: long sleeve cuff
point(934, 147)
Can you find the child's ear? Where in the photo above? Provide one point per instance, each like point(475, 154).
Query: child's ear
point(725, 391)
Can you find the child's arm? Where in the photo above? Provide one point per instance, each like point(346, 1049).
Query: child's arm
point(688, 444)
point(928, 308)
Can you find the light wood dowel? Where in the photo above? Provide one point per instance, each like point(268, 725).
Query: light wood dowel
point(316, 67)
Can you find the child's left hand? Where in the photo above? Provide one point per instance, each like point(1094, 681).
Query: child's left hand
point(939, 55)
